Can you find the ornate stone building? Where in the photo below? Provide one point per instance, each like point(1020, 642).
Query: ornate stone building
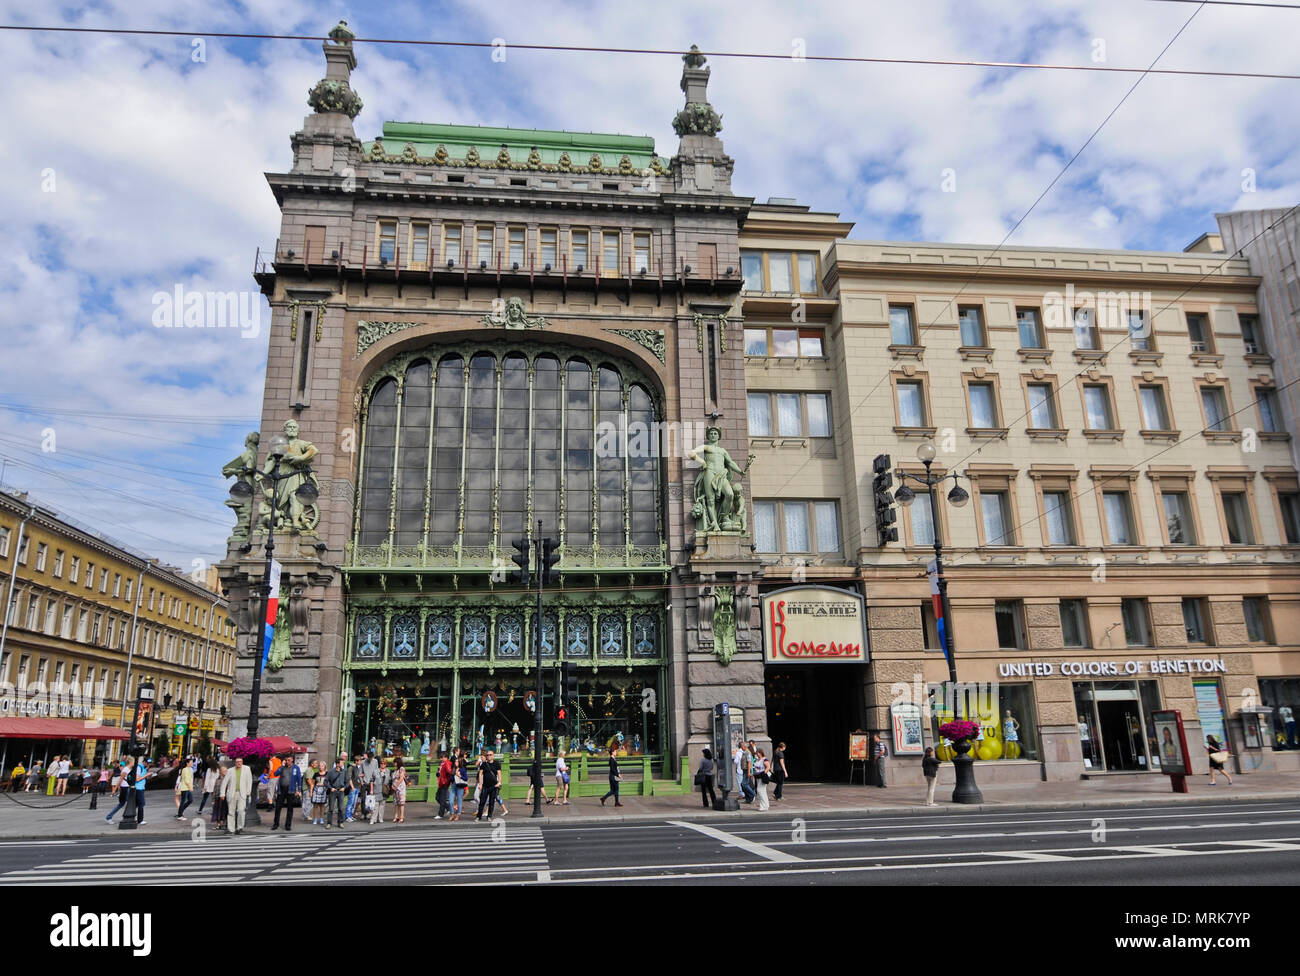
point(479, 328)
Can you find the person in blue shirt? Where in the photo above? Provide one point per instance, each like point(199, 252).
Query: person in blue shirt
point(288, 792)
point(141, 777)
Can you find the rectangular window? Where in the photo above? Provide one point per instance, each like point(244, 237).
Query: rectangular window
point(751, 267)
point(22, 551)
point(756, 342)
point(517, 236)
point(58, 563)
point(983, 407)
point(1031, 333)
point(1009, 616)
point(1139, 332)
point(996, 512)
point(760, 415)
point(828, 526)
point(911, 405)
point(129, 584)
point(1042, 407)
point(387, 240)
point(485, 237)
point(1236, 515)
point(1215, 403)
point(902, 331)
point(42, 553)
point(580, 245)
point(1178, 518)
point(103, 581)
point(117, 585)
point(789, 422)
point(1074, 624)
point(4, 542)
point(922, 520)
point(51, 620)
point(929, 626)
point(90, 576)
point(419, 244)
point(1194, 617)
point(811, 344)
point(779, 273)
point(971, 318)
point(818, 408)
point(548, 241)
point(1266, 401)
point(1119, 518)
point(65, 630)
point(785, 343)
point(451, 243)
point(765, 539)
point(1251, 335)
point(1060, 526)
point(1198, 330)
point(1289, 503)
point(807, 273)
point(796, 527)
point(74, 571)
point(1255, 610)
point(1154, 414)
point(1096, 401)
point(611, 253)
point(1137, 626)
point(641, 253)
point(1085, 329)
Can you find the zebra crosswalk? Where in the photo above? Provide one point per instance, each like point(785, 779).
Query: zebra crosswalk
point(436, 855)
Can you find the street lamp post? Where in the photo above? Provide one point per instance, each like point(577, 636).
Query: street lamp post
point(965, 790)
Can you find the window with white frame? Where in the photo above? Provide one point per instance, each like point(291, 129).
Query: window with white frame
point(1042, 407)
point(995, 511)
point(797, 526)
point(1060, 521)
point(1119, 518)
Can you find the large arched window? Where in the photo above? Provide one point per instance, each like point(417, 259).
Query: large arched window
point(465, 449)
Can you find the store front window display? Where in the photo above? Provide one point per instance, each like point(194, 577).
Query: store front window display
point(1116, 729)
point(1005, 714)
point(1283, 696)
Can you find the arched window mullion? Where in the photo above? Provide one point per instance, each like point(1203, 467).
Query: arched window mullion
point(529, 515)
point(428, 472)
point(563, 452)
point(627, 473)
point(496, 459)
point(361, 470)
point(595, 460)
point(397, 446)
point(464, 453)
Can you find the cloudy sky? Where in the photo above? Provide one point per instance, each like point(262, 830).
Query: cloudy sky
point(133, 165)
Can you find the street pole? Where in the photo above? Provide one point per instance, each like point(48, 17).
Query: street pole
point(949, 643)
point(537, 704)
point(9, 599)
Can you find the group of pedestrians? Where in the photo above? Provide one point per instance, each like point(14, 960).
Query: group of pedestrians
point(752, 771)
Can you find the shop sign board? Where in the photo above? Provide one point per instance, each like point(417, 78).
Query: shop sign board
point(1109, 669)
point(814, 625)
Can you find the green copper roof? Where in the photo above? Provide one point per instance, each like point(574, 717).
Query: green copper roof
point(488, 140)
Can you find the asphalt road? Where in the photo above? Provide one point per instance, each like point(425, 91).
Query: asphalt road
point(1209, 844)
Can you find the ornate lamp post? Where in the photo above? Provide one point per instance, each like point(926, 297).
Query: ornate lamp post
point(965, 790)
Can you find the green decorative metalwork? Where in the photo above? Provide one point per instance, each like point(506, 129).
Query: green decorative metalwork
point(328, 95)
point(368, 333)
point(724, 623)
point(652, 339)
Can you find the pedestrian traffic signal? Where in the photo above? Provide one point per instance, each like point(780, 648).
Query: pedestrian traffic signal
point(520, 559)
point(570, 685)
point(562, 702)
point(886, 514)
point(550, 556)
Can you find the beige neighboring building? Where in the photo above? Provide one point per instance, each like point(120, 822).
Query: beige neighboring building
point(1130, 542)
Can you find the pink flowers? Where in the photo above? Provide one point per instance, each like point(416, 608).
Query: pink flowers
point(960, 730)
point(246, 748)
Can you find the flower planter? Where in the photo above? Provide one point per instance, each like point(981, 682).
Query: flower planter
point(965, 791)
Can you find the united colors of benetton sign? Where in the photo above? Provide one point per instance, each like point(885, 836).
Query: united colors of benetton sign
point(812, 624)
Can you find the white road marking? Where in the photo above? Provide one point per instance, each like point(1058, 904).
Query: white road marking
point(1024, 833)
point(732, 840)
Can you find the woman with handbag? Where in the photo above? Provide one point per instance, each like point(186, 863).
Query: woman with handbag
point(1218, 756)
point(704, 780)
point(561, 778)
point(399, 793)
point(761, 778)
point(459, 784)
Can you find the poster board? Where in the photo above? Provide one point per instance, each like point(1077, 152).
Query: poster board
point(859, 748)
point(907, 729)
point(1172, 742)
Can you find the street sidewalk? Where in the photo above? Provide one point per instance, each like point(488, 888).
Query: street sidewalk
point(51, 818)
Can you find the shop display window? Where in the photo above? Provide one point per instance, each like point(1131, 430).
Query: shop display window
point(1283, 696)
point(1008, 729)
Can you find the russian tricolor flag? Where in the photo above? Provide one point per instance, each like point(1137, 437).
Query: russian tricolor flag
point(941, 625)
point(272, 611)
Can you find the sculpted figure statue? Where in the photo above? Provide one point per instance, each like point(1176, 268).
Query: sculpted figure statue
point(290, 511)
point(243, 469)
point(719, 505)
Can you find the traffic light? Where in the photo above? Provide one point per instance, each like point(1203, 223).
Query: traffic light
point(520, 559)
point(562, 703)
point(550, 556)
point(570, 676)
point(886, 514)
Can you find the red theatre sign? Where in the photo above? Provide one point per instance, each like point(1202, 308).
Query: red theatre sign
point(814, 624)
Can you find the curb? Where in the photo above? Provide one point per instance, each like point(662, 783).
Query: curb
point(948, 808)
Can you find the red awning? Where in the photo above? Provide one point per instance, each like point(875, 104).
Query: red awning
point(57, 728)
point(279, 744)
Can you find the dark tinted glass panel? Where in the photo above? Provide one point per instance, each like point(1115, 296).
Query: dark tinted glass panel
point(413, 453)
point(579, 453)
point(448, 419)
point(377, 483)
